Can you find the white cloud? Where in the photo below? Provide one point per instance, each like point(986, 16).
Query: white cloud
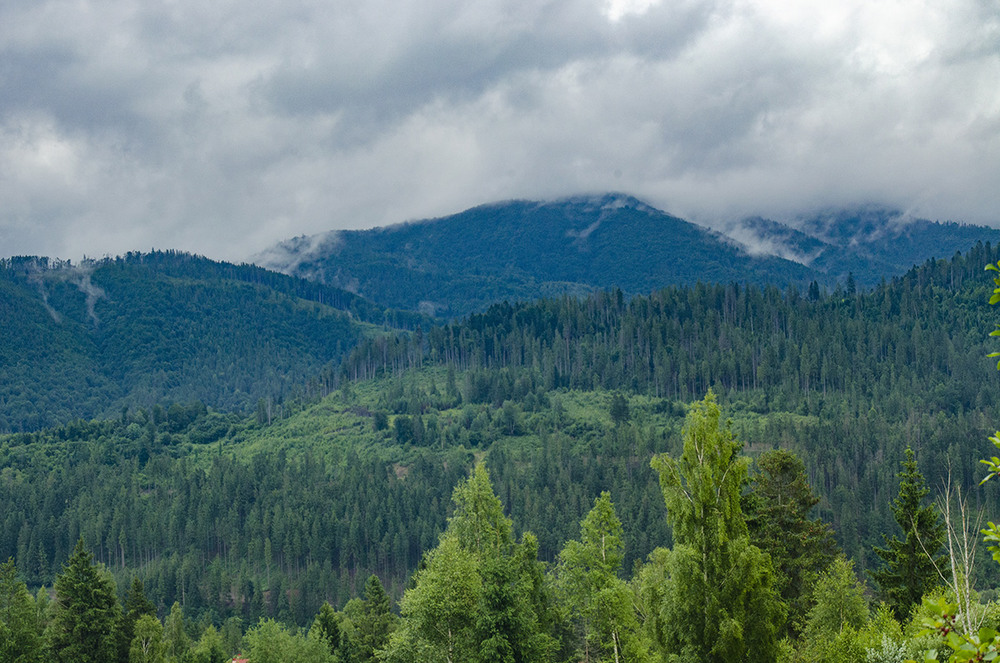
point(224, 127)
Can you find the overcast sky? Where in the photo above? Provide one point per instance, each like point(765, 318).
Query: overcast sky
point(222, 127)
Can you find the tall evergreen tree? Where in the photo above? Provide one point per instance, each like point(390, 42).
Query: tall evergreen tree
point(377, 620)
point(136, 605)
point(20, 640)
point(911, 564)
point(327, 626)
point(718, 603)
point(86, 613)
point(777, 513)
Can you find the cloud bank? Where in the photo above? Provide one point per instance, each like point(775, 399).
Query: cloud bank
point(224, 127)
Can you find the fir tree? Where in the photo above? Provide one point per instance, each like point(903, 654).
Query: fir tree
point(911, 564)
point(377, 620)
point(136, 605)
point(327, 627)
point(20, 641)
point(777, 513)
point(86, 613)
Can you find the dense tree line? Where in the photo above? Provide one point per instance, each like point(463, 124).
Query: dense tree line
point(719, 592)
point(271, 515)
point(918, 337)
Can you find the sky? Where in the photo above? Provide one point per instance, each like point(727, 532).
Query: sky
point(224, 127)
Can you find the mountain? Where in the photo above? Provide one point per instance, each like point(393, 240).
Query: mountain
point(88, 340)
point(522, 250)
point(869, 242)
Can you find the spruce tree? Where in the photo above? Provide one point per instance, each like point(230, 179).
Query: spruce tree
point(136, 605)
point(327, 626)
point(20, 641)
point(911, 564)
point(86, 613)
point(777, 513)
point(377, 620)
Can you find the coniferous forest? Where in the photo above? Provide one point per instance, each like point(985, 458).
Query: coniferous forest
point(721, 472)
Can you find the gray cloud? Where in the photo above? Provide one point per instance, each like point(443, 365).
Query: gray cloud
point(224, 127)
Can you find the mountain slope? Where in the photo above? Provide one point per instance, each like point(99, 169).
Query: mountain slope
point(869, 242)
point(522, 250)
point(84, 341)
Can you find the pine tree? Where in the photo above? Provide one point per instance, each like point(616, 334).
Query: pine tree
point(136, 605)
point(86, 613)
point(911, 565)
point(327, 626)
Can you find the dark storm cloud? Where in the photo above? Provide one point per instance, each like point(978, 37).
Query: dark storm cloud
point(224, 127)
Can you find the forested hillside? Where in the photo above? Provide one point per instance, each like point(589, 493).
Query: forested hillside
point(87, 340)
point(273, 514)
point(846, 380)
point(523, 250)
point(867, 243)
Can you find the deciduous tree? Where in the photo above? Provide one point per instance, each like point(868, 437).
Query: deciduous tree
point(718, 603)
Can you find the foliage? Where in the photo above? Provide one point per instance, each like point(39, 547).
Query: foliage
point(832, 631)
point(913, 565)
point(86, 612)
point(522, 250)
point(145, 329)
point(376, 622)
point(945, 618)
point(20, 633)
point(327, 627)
point(777, 512)
point(602, 604)
point(474, 600)
point(719, 603)
point(147, 644)
point(271, 642)
point(210, 647)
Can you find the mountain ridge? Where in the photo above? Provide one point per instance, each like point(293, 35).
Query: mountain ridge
point(522, 249)
point(461, 263)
